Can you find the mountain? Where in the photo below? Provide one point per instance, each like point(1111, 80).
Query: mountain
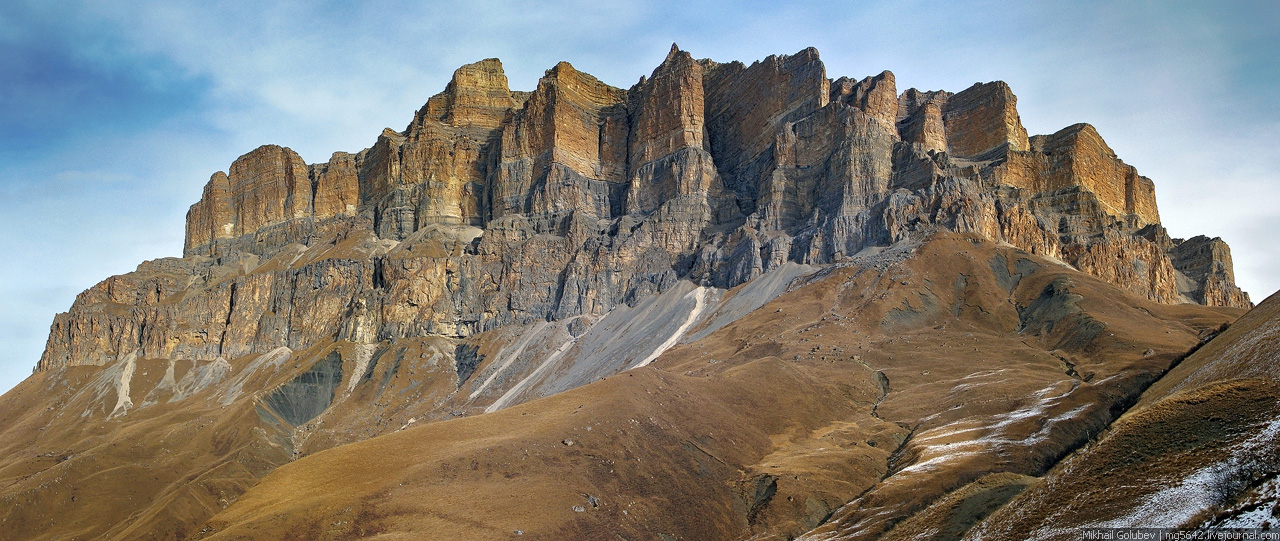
point(731, 301)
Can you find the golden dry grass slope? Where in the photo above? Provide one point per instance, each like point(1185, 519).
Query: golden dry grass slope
point(1201, 449)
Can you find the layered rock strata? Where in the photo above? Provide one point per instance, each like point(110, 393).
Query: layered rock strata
point(494, 207)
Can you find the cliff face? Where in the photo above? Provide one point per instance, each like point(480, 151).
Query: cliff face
point(496, 207)
point(268, 186)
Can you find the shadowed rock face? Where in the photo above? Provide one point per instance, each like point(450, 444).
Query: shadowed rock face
point(308, 395)
point(1206, 265)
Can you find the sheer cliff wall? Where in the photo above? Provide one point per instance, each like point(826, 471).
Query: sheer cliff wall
point(495, 207)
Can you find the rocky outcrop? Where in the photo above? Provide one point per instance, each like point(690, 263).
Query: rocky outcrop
point(442, 157)
point(337, 187)
point(667, 156)
point(268, 186)
point(920, 119)
point(1077, 156)
point(476, 98)
point(564, 151)
point(877, 96)
point(983, 118)
point(746, 106)
point(1206, 274)
point(495, 207)
point(211, 217)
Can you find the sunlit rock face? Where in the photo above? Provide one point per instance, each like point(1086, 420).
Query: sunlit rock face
point(494, 206)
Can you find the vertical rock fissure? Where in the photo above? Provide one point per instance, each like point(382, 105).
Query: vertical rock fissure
point(315, 187)
point(883, 381)
point(226, 324)
point(379, 279)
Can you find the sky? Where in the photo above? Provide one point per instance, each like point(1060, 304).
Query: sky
point(113, 115)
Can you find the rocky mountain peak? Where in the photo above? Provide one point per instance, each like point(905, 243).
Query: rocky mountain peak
point(477, 97)
point(497, 207)
point(875, 95)
point(675, 50)
point(268, 186)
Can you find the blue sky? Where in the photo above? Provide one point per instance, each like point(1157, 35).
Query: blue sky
point(114, 114)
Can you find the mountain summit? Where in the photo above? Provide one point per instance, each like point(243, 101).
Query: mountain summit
point(496, 207)
point(730, 301)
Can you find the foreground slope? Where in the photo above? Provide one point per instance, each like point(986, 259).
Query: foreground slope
point(1202, 449)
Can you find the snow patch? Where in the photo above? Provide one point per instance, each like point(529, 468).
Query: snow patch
point(946, 455)
point(984, 373)
point(996, 429)
point(1258, 511)
point(1199, 491)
